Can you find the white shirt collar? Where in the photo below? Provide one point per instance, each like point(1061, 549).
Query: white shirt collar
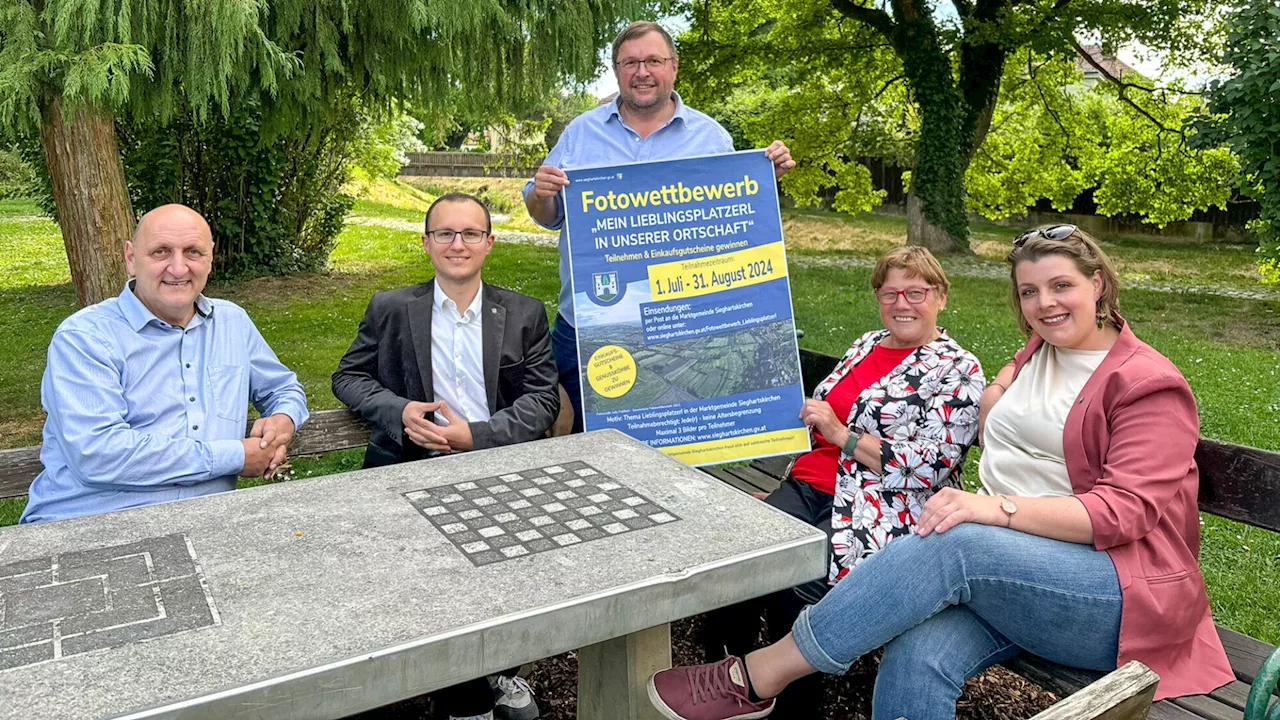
point(442, 301)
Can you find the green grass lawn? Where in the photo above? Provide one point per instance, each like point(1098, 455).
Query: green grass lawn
point(1228, 348)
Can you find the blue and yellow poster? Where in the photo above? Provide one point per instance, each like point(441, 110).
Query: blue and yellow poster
point(686, 338)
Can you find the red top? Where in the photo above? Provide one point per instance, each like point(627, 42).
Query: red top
point(818, 466)
point(1130, 442)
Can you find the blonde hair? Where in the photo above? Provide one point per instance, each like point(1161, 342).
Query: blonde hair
point(915, 261)
point(1081, 249)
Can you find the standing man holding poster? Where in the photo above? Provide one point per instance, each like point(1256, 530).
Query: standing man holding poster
point(647, 122)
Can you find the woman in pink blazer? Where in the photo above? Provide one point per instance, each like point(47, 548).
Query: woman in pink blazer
point(1081, 546)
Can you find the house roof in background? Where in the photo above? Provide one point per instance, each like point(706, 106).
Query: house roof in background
point(1114, 66)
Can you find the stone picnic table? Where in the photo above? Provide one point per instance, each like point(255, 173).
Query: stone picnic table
point(325, 597)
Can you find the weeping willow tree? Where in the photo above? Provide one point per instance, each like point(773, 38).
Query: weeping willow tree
point(69, 69)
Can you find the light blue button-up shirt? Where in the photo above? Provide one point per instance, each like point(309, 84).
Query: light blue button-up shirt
point(600, 137)
point(142, 412)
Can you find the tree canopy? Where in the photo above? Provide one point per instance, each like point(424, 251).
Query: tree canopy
point(921, 82)
point(153, 58)
point(69, 69)
point(1247, 115)
point(1054, 138)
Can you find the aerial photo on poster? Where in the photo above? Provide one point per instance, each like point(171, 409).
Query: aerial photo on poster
point(686, 338)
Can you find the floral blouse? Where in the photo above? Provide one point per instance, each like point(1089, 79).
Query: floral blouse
point(926, 412)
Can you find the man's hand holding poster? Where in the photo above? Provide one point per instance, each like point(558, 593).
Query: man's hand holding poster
point(686, 338)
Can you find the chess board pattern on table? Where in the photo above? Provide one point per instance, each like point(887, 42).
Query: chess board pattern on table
point(531, 511)
point(77, 602)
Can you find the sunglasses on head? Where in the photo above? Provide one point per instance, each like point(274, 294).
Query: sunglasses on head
point(1053, 232)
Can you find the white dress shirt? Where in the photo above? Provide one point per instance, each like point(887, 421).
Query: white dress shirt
point(457, 357)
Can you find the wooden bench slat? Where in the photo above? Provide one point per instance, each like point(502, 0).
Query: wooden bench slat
point(1246, 654)
point(1235, 694)
point(1206, 707)
point(763, 482)
point(1124, 694)
point(329, 431)
point(1057, 679)
point(814, 368)
point(775, 467)
point(723, 475)
point(1239, 482)
point(1165, 710)
point(18, 467)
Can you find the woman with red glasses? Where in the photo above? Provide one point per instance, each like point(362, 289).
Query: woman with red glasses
point(891, 425)
point(1082, 547)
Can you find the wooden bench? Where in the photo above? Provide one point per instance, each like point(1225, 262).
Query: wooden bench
point(1236, 482)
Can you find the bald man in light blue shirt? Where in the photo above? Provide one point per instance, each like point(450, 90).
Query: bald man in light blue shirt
point(147, 393)
point(647, 122)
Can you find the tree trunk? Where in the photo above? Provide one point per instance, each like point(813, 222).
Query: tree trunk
point(924, 232)
point(981, 70)
point(936, 215)
point(94, 211)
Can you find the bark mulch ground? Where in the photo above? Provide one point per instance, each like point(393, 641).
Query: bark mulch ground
point(995, 695)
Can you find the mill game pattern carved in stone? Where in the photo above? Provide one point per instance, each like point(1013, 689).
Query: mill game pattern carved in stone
point(77, 602)
point(532, 511)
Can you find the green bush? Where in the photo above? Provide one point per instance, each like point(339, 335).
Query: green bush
point(271, 197)
point(381, 146)
point(272, 194)
point(17, 177)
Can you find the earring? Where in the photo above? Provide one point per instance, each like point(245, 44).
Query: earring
point(1102, 316)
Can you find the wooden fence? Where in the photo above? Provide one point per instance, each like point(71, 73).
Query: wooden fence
point(466, 164)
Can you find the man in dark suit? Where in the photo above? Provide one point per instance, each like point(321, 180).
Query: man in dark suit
point(450, 365)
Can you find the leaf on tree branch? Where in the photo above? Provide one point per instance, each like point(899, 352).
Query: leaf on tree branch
point(872, 17)
point(857, 122)
point(1122, 88)
point(1031, 72)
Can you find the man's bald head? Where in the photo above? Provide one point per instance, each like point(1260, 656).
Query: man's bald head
point(172, 216)
point(170, 257)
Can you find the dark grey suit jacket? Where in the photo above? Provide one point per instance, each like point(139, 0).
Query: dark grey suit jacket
point(389, 364)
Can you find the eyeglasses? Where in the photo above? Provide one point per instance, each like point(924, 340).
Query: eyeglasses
point(1055, 232)
point(915, 296)
point(653, 63)
point(470, 236)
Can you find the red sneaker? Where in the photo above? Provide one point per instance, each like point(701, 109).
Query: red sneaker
point(706, 692)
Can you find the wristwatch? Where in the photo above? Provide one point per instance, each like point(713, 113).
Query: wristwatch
point(1009, 507)
point(851, 443)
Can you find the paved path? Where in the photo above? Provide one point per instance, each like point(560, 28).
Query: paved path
point(507, 236)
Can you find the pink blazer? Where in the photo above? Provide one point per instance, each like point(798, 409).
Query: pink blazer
point(1130, 442)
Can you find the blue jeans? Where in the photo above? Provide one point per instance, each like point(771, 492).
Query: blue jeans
point(947, 606)
point(564, 346)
